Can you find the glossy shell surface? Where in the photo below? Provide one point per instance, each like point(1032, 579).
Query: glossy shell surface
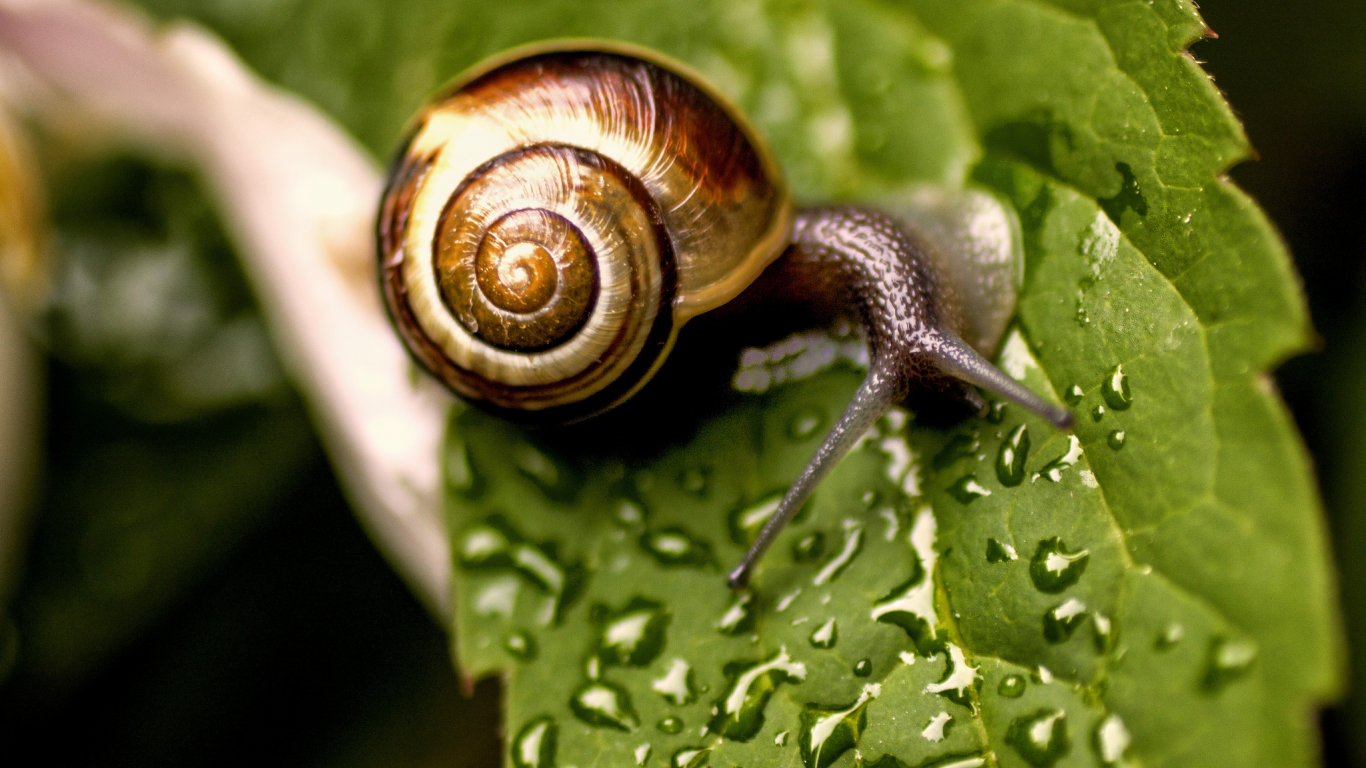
point(642, 181)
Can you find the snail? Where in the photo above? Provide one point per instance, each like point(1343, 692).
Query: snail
point(557, 215)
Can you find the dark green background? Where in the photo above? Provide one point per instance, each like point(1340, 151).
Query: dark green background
point(295, 644)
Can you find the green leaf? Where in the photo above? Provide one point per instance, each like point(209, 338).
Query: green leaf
point(1154, 590)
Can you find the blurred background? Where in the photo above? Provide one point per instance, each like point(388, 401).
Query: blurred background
point(169, 612)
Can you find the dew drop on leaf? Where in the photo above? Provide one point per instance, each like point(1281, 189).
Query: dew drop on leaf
point(1062, 620)
point(1012, 686)
point(534, 745)
point(1229, 659)
point(670, 725)
point(1011, 457)
point(739, 617)
point(809, 547)
point(1170, 635)
point(997, 413)
point(826, 635)
point(1054, 568)
point(863, 667)
point(605, 705)
point(521, 645)
point(642, 754)
point(967, 490)
point(853, 544)
point(1000, 553)
point(1097, 413)
point(628, 513)
point(690, 757)
point(740, 711)
point(1104, 632)
point(1115, 439)
point(1040, 738)
point(937, 728)
point(1115, 389)
point(804, 424)
point(677, 686)
point(829, 732)
point(961, 446)
point(460, 475)
point(1112, 740)
point(693, 480)
point(746, 522)
point(674, 546)
point(633, 636)
point(1073, 395)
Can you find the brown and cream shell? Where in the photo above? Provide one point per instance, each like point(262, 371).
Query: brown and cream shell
point(558, 214)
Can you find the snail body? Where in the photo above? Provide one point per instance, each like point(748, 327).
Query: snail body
point(558, 215)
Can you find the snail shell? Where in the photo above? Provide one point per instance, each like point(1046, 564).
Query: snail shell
point(557, 215)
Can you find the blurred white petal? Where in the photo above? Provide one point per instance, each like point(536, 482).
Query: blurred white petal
point(299, 197)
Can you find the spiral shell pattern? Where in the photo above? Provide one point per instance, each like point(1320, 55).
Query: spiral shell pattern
point(554, 219)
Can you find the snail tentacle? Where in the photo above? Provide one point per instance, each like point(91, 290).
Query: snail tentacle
point(882, 273)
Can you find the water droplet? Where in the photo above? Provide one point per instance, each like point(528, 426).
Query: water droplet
point(1170, 636)
point(1115, 389)
point(853, 544)
point(690, 757)
point(693, 480)
point(534, 746)
point(675, 546)
point(826, 635)
point(781, 739)
point(863, 667)
point(629, 513)
point(495, 544)
point(670, 725)
point(1012, 686)
point(1011, 457)
point(1104, 632)
point(966, 489)
point(1055, 568)
point(460, 475)
point(1080, 316)
point(739, 617)
point(739, 714)
point(746, 522)
point(1098, 413)
point(960, 677)
point(911, 605)
point(997, 413)
point(1115, 439)
point(829, 732)
point(1042, 675)
point(554, 480)
point(677, 686)
point(1040, 738)
point(805, 423)
point(605, 705)
point(938, 727)
point(642, 754)
point(1229, 660)
point(1053, 470)
point(1000, 553)
point(809, 547)
point(1112, 740)
point(634, 635)
point(521, 645)
point(961, 446)
point(1062, 620)
point(1073, 395)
